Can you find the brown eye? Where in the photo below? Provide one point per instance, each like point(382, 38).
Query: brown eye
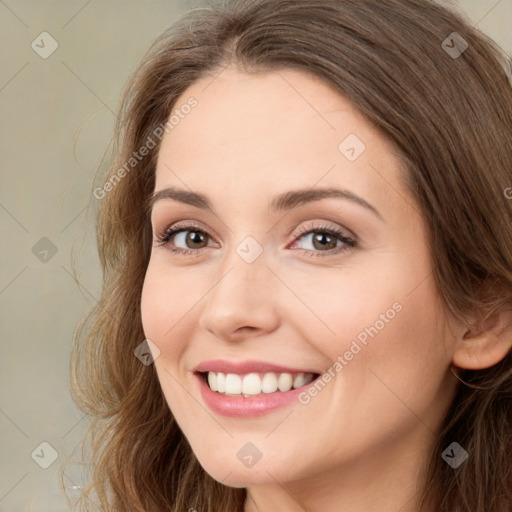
point(194, 239)
point(184, 239)
point(190, 238)
point(323, 240)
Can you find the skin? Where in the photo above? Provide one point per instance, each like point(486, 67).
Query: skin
point(363, 440)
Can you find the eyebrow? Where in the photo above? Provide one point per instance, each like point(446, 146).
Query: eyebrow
point(283, 202)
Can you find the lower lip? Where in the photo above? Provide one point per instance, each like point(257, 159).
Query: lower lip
point(246, 407)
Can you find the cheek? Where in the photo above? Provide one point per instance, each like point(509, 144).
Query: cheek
point(387, 318)
point(387, 350)
point(163, 303)
point(166, 305)
point(403, 361)
point(171, 303)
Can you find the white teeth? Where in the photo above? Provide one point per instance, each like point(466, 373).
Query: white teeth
point(269, 383)
point(285, 382)
point(233, 384)
point(299, 381)
point(256, 383)
point(212, 381)
point(221, 382)
point(251, 384)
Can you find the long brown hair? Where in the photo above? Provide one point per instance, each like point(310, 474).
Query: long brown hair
point(443, 99)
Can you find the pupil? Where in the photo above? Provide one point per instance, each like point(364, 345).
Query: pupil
point(195, 237)
point(320, 239)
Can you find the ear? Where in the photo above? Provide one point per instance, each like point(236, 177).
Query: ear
point(486, 343)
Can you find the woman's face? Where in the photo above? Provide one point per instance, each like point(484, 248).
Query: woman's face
point(335, 285)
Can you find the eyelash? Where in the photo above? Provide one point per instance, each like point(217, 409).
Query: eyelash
point(350, 243)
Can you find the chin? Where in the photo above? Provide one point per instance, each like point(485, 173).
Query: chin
point(236, 474)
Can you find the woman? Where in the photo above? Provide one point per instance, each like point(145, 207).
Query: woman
point(307, 252)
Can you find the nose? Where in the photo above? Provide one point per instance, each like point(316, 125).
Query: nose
point(243, 302)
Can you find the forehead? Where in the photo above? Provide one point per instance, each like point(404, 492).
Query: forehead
point(269, 132)
point(236, 111)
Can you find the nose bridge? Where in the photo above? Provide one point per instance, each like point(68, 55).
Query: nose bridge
point(244, 270)
point(241, 295)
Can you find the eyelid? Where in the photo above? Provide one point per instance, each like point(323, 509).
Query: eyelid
point(182, 224)
point(321, 225)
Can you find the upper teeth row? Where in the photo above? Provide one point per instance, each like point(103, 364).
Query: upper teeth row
point(256, 383)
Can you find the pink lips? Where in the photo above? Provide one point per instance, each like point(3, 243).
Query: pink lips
point(240, 406)
point(218, 365)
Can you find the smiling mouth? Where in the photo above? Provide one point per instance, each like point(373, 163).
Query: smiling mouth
point(254, 384)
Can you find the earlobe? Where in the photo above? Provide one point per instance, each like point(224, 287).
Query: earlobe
point(486, 344)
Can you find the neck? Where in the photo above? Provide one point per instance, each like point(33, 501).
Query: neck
point(389, 479)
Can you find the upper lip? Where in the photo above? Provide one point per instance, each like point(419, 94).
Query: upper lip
point(244, 367)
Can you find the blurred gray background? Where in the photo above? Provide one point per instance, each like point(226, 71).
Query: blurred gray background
point(63, 65)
